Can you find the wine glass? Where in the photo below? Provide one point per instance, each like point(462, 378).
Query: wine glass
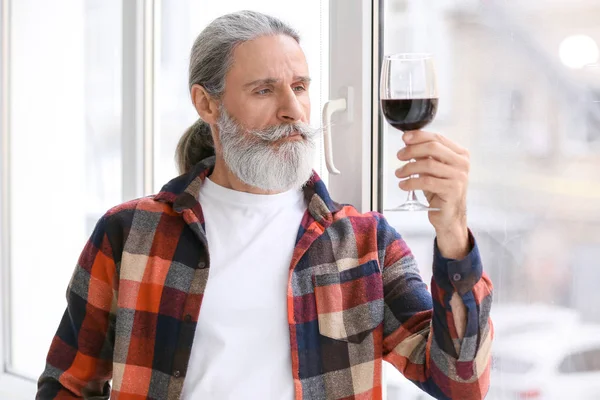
point(409, 101)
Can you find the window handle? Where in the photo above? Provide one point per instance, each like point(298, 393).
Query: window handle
point(330, 108)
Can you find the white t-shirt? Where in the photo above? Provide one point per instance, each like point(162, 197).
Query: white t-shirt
point(242, 347)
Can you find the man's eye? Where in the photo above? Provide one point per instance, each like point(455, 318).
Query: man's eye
point(263, 91)
point(299, 89)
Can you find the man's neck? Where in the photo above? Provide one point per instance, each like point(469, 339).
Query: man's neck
point(222, 176)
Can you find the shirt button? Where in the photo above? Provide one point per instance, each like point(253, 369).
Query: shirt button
point(176, 373)
point(201, 265)
point(187, 318)
point(457, 277)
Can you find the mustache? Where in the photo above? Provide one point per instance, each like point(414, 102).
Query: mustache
point(278, 132)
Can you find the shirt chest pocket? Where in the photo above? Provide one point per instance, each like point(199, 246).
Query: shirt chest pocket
point(349, 303)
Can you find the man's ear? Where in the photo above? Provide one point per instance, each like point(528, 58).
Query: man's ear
point(206, 106)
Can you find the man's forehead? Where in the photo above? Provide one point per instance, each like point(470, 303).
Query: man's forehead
point(270, 57)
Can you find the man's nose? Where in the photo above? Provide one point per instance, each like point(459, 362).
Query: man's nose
point(290, 109)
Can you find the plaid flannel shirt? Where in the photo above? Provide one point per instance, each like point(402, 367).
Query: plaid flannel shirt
point(355, 298)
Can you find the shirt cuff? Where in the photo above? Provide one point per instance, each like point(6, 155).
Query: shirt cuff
point(457, 275)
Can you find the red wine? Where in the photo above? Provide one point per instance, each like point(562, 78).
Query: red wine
point(409, 115)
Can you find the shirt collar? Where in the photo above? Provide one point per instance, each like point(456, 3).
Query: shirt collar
point(182, 192)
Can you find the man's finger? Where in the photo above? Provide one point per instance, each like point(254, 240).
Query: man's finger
point(428, 166)
point(430, 184)
point(435, 150)
point(416, 137)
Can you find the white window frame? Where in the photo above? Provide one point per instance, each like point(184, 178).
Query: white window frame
point(11, 385)
point(140, 55)
point(354, 62)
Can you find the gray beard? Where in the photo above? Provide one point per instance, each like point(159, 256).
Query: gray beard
point(255, 159)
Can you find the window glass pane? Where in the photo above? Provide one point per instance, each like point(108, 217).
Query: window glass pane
point(65, 151)
point(518, 87)
point(512, 365)
point(182, 21)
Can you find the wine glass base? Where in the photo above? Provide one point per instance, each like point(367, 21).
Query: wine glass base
point(413, 206)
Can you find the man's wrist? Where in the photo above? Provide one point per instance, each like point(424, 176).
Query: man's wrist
point(453, 242)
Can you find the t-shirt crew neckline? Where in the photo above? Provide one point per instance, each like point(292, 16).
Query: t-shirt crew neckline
point(227, 195)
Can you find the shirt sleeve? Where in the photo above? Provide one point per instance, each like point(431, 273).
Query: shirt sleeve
point(79, 362)
point(420, 337)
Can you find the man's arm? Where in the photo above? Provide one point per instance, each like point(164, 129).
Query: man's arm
point(79, 363)
point(423, 334)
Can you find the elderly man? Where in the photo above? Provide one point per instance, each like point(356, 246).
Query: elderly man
point(243, 279)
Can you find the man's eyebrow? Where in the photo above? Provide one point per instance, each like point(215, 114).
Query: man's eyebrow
point(272, 81)
point(303, 79)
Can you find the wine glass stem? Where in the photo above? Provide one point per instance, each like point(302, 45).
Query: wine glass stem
point(412, 197)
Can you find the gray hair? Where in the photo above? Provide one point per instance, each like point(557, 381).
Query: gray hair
point(210, 60)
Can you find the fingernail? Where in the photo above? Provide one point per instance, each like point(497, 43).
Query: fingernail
point(408, 136)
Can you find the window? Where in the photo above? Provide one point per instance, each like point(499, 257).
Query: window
point(529, 121)
point(65, 156)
